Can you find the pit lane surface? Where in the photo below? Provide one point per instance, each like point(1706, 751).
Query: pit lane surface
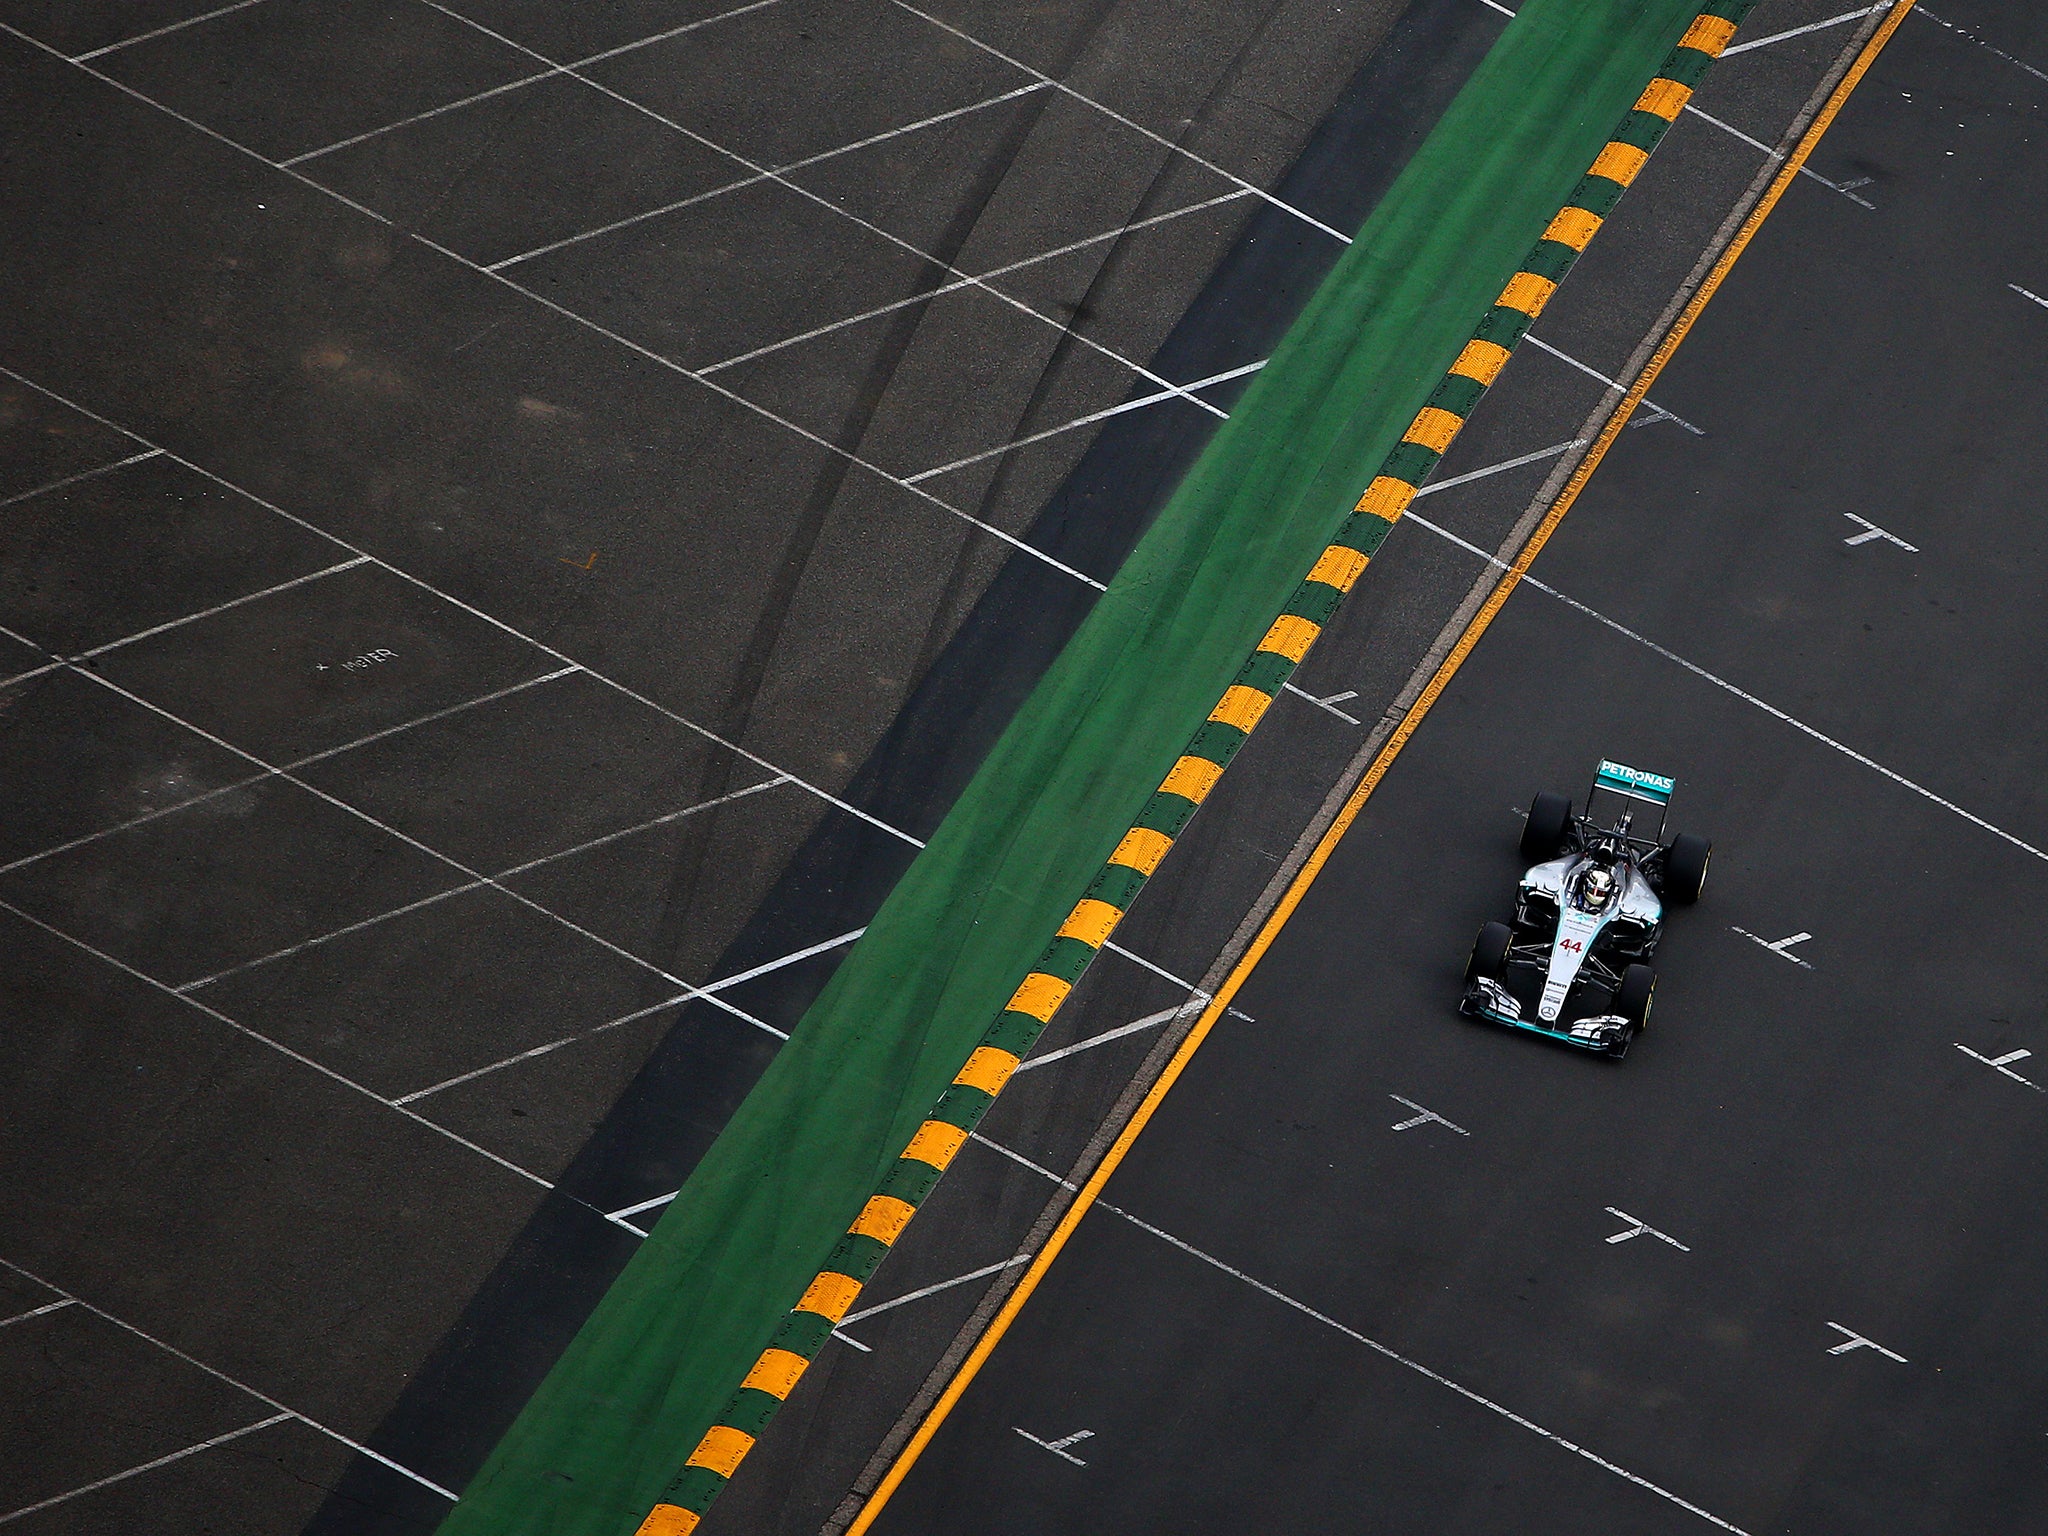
point(1779, 1271)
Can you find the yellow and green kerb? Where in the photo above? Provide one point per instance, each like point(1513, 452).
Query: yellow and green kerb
point(1088, 926)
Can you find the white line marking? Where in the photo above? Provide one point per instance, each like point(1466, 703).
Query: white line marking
point(1875, 532)
point(755, 180)
point(262, 1039)
point(470, 608)
point(176, 26)
point(1111, 113)
point(1065, 328)
point(150, 1466)
point(2004, 1064)
point(1748, 698)
point(196, 126)
point(477, 885)
point(1082, 421)
point(22, 1317)
point(1157, 970)
point(1424, 1371)
point(1059, 1447)
point(258, 778)
point(1587, 368)
point(1495, 5)
point(789, 959)
point(2025, 293)
point(533, 79)
point(1966, 33)
point(133, 458)
point(218, 1375)
point(1499, 469)
point(1782, 948)
point(1330, 704)
point(1811, 26)
point(1779, 154)
point(1857, 1341)
point(1424, 1117)
point(552, 1045)
point(957, 284)
point(207, 613)
point(1150, 1021)
point(932, 1290)
point(1640, 1228)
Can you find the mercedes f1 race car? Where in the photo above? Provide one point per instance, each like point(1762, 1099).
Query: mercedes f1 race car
point(1575, 963)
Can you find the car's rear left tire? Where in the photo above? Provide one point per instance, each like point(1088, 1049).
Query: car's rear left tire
point(1633, 997)
point(1543, 834)
point(1685, 869)
point(1489, 953)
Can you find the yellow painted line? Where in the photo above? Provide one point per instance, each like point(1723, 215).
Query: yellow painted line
point(1091, 921)
point(829, 1295)
point(1292, 635)
point(1039, 995)
point(1710, 34)
point(1339, 566)
point(1619, 162)
point(1573, 227)
point(1241, 706)
point(1387, 497)
point(1527, 291)
point(1192, 779)
point(1664, 98)
point(1327, 844)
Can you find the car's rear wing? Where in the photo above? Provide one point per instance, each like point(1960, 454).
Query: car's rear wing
point(1631, 784)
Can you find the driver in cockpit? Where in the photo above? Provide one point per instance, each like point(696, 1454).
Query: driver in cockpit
point(1596, 889)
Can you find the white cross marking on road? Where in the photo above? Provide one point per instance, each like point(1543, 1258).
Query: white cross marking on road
point(1329, 703)
point(1059, 1447)
point(1424, 1117)
point(1640, 1228)
point(2004, 1064)
point(1857, 1341)
point(1872, 531)
point(1782, 948)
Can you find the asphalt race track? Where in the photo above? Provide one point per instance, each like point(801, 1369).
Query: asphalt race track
point(1303, 1304)
point(505, 554)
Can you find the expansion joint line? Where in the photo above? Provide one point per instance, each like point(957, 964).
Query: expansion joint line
point(888, 1211)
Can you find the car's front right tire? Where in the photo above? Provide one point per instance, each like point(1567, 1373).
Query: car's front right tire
point(1489, 953)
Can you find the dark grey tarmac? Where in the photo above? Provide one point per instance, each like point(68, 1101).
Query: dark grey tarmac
point(1289, 1311)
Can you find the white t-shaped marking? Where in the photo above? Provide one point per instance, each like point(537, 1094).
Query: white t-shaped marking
point(2003, 1064)
point(1059, 1447)
point(1640, 1228)
point(1857, 1341)
point(1872, 531)
point(1424, 1117)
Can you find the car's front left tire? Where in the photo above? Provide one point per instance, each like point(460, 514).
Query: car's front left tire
point(1632, 998)
point(1543, 834)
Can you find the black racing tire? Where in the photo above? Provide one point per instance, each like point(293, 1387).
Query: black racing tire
point(1685, 869)
point(1632, 998)
point(1543, 834)
point(1489, 953)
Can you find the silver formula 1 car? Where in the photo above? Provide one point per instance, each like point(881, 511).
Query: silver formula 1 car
point(1575, 964)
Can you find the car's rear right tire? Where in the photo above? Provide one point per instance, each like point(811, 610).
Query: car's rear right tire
point(1632, 998)
point(1685, 869)
point(1543, 834)
point(1489, 953)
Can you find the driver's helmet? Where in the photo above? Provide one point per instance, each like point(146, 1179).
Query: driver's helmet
point(1596, 888)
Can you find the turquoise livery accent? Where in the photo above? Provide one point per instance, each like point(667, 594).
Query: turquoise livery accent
point(1634, 782)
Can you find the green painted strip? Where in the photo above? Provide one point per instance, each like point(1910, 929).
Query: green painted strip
point(1065, 958)
point(636, 1389)
point(909, 1181)
point(1013, 1032)
point(963, 1106)
point(1267, 671)
point(1642, 129)
point(1688, 66)
point(1458, 393)
point(749, 1411)
point(1364, 532)
point(1165, 813)
point(801, 1333)
point(1550, 259)
point(1597, 195)
point(1118, 884)
point(858, 1255)
point(1413, 462)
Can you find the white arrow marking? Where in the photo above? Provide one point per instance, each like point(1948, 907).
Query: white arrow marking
point(1640, 1228)
point(1872, 531)
point(2004, 1064)
point(1059, 1447)
point(1424, 1117)
point(1857, 1341)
